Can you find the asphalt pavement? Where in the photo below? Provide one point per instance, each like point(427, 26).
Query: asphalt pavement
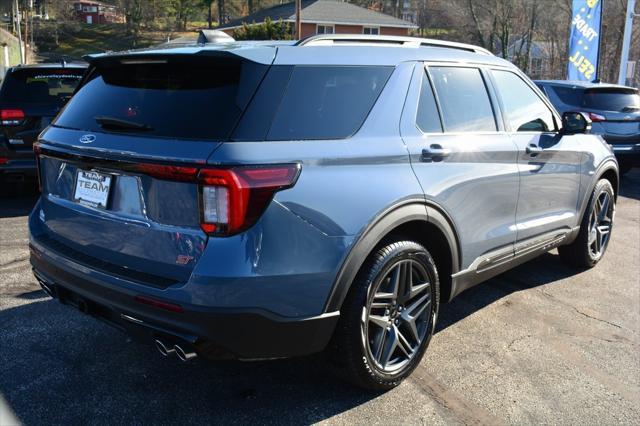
point(542, 343)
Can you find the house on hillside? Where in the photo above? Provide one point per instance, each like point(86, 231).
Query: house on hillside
point(328, 17)
point(541, 54)
point(95, 12)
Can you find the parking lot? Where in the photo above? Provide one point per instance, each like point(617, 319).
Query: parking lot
point(539, 344)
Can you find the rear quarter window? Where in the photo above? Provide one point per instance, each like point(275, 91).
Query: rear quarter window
point(568, 95)
point(327, 102)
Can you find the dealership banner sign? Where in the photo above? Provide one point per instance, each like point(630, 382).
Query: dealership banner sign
point(584, 41)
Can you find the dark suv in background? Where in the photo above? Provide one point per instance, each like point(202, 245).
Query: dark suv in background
point(614, 111)
point(30, 97)
point(261, 200)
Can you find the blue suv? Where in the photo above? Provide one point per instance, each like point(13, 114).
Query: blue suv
point(264, 200)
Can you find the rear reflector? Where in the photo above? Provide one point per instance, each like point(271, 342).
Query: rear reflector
point(159, 304)
point(11, 117)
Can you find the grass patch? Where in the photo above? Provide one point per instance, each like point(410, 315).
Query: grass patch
point(76, 40)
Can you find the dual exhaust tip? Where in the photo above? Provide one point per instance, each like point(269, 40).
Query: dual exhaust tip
point(183, 354)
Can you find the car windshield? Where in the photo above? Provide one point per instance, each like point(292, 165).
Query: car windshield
point(40, 85)
point(619, 100)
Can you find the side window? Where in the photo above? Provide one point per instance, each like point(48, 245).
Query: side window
point(464, 100)
point(524, 110)
point(327, 102)
point(428, 118)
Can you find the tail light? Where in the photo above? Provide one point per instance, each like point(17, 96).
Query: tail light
point(4, 160)
point(596, 117)
point(11, 117)
point(233, 199)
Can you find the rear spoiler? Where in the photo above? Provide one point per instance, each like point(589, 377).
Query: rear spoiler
point(264, 55)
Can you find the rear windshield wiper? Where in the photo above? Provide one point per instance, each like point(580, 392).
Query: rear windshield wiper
point(120, 124)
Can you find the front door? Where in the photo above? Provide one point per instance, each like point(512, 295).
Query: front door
point(549, 163)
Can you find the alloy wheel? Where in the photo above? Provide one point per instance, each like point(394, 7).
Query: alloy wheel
point(600, 224)
point(397, 316)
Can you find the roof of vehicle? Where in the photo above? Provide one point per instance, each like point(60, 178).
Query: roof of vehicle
point(583, 84)
point(335, 49)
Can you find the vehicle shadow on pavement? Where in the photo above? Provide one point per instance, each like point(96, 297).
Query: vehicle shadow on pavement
point(630, 184)
point(16, 206)
point(59, 365)
point(542, 270)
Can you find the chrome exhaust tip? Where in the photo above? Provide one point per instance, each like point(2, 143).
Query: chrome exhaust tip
point(184, 355)
point(163, 349)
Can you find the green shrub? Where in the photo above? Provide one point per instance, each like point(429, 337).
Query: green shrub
point(268, 30)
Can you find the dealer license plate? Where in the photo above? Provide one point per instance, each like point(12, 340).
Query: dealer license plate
point(92, 188)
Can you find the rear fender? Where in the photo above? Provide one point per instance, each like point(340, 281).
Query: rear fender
point(373, 235)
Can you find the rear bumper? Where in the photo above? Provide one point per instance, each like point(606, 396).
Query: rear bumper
point(213, 333)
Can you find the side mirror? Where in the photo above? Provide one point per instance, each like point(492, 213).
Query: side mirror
point(574, 123)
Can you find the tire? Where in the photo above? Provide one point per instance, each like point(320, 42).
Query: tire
point(371, 311)
point(595, 229)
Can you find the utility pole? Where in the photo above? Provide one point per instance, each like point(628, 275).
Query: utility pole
point(626, 41)
point(298, 19)
point(17, 18)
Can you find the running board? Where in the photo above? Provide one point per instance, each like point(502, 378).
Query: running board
point(498, 261)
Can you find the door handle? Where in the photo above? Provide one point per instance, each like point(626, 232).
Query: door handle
point(434, 153)
point(533, 150)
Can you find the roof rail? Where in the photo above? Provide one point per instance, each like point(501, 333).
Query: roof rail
point(404, 41)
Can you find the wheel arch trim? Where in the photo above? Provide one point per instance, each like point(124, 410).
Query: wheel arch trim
point(409, 210)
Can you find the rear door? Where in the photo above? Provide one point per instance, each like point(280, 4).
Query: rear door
point(463, 159)
point(119, 164)
point(549, 163)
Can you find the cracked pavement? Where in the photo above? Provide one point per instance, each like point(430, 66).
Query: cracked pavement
point(539, 344)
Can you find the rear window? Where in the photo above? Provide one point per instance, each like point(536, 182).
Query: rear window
point(40, 85)
point(181, 97)
point(619, 100)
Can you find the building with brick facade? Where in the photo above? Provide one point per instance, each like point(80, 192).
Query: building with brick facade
point(328, 17)
point(95, 12)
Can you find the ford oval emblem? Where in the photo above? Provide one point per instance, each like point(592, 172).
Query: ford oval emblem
point(87, 138)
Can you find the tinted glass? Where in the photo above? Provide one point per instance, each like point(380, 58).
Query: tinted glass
point(40, 86)
point(568, 95)
point(256, 121)
point(463, 99)
point(327, 102)
point(428, 118)
point(192, 98)
point(619, 100)
point(524, 110)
